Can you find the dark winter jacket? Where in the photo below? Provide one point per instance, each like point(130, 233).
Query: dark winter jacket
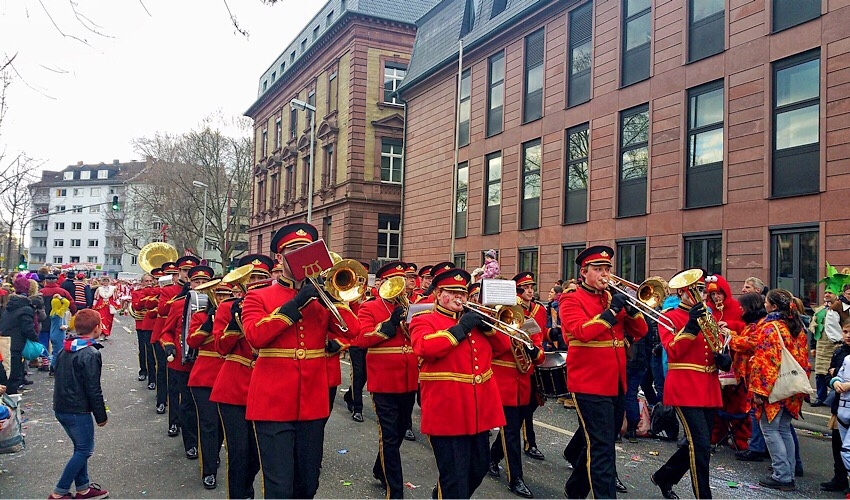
point(837, 360)
point(17, 322)
point(76, 387)
point(40, 314)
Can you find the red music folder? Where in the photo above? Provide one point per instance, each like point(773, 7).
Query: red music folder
point(309, 261)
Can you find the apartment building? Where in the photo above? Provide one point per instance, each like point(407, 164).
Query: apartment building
point(684, 133)
point(75, 225)
point(346, 63)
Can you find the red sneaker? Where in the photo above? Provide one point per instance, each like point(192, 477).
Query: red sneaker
point(93, 492)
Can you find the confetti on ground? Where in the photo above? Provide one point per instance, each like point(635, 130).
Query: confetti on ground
point(653, 453)
point(410, 485)
point(345, 483)
point(60, 440)
point(342, 452)
point(753, 487)
point(636, 458)
point(732, 484)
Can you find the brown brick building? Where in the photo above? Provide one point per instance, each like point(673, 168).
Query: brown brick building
point(712, 133)
point(347, 62)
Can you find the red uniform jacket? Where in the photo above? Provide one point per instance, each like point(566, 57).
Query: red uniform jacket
point(144, 300)
point(459, 395)
point(391, 365)
point(234, 377)
point(691, 372)
point(290, 378)
point(597, 355)
point(209, 361)
point(163, 305)
point(171, 332)
point(514, 387)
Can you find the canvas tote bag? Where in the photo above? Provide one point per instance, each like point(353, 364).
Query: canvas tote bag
point(792, 379)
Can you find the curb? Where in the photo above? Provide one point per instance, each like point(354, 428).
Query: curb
point(801, 424)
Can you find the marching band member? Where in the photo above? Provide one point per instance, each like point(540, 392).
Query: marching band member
point(513, 367)
point(428, 297)
point(106, 304)
point(230, 389)
point(393, 377)
point(460, 401)
point(693, 388)
point(181, 408)
point(287, 396)
point(151, 320)
point(277, 270)
point(595, 324)
point(533, 310)
point(474, 292)
point(424, 275)
point(202, 378)
point(143, 300)
point(160, 312)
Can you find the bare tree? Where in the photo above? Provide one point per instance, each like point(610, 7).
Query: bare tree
point(165, 191)
point(15, 199)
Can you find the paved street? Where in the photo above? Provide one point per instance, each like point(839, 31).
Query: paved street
point(135, 459)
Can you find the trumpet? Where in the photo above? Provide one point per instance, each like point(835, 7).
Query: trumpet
point(505, 320)
point(650, 294)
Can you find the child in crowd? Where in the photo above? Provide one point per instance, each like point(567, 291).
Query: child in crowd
point(77, 395)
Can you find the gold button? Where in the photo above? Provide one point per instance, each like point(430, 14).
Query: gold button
point(475, 350)
point(300, 327)
point(302, 344)
point(302, 335)
point(300, 353)
point(473, 341)
point(478, 379)
point(476, 367)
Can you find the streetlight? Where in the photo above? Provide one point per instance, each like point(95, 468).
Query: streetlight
point(204, 230)
point(303, 106)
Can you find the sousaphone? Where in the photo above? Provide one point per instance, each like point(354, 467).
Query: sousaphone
point(156, 254)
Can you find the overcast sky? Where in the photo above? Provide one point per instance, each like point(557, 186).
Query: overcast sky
point(163, 66)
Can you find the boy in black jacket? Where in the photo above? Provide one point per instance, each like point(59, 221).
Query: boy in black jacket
point(76, 396)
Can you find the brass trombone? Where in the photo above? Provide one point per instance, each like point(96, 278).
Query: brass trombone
point(346, 281)
point(504, 319)
point(650, 295)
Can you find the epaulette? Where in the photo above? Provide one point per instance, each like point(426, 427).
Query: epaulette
point(257, 285)
point(420, 313)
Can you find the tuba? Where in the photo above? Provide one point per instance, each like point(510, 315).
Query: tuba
point(156, 254)
point(710, 329)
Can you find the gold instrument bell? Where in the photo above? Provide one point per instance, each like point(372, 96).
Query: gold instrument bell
point(240, 276)
point(208, 289)
point(393, 290)
point(346, 281)
point(156, 254)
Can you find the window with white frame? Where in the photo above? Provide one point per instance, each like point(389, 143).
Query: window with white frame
point(134, 260)
point(95, 191)
point(85, 174)
point(94, 226)
point(78, 191)
point(59, 208)
point(389, 236)
point(61, 193)
point(74, 259)
point(58, 243)
point(76, 226)
point(103, 174)
point(59, 226)
point(94, 243)
point(75, 243)
point(78, 209)
point(93, 259)
point(68, 176)
point(94, 209)
point(57, 259)
point(391, 159)
point(393, 75)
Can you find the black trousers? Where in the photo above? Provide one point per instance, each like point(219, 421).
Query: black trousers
point(16, 374)
point(393, 412)
point(354, 396)
point(528, 435)
point(290, 456)
point(332, 397)
point(507, 443)
point(147, 360)
point(839, 472)
point(210, 434)
point(243, 460)
point(697, 423)
point(461, 462)
point(594, 470)
point(181, 408)
point(161, 375)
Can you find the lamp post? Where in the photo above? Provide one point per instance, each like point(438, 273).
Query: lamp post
point(303, 106)
point(203, 246)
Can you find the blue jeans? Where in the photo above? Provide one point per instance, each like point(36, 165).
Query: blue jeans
point(80, 428)
point(780, 444)
point(757, 441)
point(57, 338)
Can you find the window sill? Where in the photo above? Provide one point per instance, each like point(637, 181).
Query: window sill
point(382, 105)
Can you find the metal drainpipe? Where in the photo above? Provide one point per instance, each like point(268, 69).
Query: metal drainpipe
point(457, 147)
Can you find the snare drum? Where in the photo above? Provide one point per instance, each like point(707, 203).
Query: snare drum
point(551, 376)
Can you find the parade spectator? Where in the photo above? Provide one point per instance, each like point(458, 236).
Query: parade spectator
point(53, 328)
point(106, 303)
point(839, 479)
point(742, 346)
point(753, 284)
point(782, 325)
point(77, 396)
point(18, 324)
point(40, 314)
point(552, 306)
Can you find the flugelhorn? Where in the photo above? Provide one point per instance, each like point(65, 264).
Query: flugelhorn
point(650, 295)
point(505, 320)
point(689, 280)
